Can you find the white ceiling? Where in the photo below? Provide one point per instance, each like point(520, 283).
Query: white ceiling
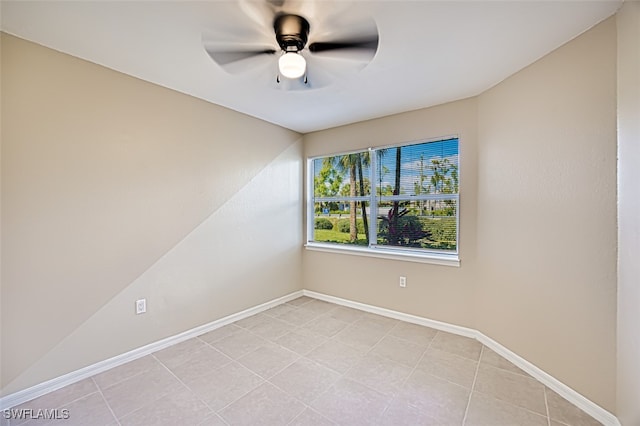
point(430, 52)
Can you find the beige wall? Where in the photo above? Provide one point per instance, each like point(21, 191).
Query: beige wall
point(628, 19)
point(538, 216)
point(547, 182)
point(115, 189)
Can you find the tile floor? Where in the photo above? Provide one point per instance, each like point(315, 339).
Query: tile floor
point(309, 362)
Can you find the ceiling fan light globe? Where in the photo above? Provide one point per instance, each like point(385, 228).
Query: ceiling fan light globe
point(292, 65)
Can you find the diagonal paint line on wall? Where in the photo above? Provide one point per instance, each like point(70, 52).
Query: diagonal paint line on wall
point(287, 166)
point(194, 229)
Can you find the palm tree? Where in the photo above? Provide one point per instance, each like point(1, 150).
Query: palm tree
point(394, 233)
point(440, 169)
point(350, 163)
point(363, 160)
point(418, 185)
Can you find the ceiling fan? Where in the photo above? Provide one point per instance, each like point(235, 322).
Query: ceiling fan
point(302, 61)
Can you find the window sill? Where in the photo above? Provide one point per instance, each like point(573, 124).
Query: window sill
point(432, 258)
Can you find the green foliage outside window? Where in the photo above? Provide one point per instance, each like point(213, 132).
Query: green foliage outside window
point(414, 191)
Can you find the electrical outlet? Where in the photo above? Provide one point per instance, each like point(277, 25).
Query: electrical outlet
point(141, 306)
point(403, 281)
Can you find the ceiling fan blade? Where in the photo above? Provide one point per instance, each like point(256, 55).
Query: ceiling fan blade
point(226, 57)
point(359, 50)
point(370, 44)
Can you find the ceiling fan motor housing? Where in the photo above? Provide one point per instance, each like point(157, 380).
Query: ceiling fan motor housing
point(292, 32)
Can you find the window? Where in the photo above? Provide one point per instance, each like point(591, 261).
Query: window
point(411, 189)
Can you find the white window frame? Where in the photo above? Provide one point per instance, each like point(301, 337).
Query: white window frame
point(446, 258)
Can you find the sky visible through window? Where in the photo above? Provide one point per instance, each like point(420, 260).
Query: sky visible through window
point(415, 160)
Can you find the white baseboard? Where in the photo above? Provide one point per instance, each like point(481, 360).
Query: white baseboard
point(563, 390)
point(577, 399)
point(40, 389)
point(586, 405)
point(438, 325)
